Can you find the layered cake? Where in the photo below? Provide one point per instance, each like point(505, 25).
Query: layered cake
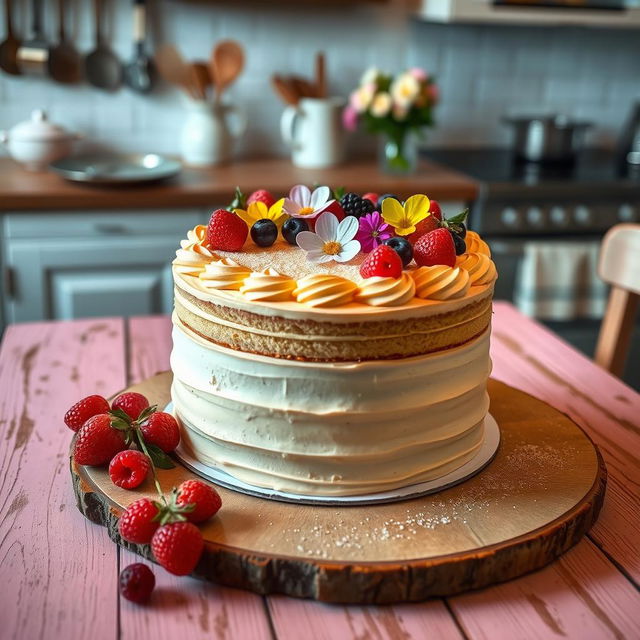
point(332, 348)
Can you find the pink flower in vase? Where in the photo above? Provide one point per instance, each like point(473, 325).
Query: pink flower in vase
point(372, 231)
point(419, 74)
point(349, 118)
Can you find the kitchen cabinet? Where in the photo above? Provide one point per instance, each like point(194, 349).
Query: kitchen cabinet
point(60, 266)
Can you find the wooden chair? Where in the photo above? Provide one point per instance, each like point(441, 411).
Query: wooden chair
point(620, 267)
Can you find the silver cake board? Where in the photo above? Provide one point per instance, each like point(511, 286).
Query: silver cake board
point(484, 456)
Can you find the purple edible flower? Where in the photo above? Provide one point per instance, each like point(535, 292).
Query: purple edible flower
point(372, 231)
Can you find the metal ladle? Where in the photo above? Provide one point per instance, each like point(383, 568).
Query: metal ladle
point(10, 45)
point(102, 67)
point(64, 60)
point(139, 74)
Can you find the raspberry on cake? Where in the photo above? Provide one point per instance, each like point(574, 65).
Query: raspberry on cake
point(325, 366)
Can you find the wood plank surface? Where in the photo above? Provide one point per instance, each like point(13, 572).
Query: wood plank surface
point(533, 359)
point(57, 570)
point(581, 596)
point(296, 619)
point(209, 187)
point(181, 607)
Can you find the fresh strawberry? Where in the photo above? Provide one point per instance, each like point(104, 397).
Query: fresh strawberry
point(383, 262)
point(434, 209)
point(85, 409)
point(137, 524)
point(132, 403)
point(424, 226)
point(226, 231)
point(129, 468)
point(373, 197)
point(206, 499)
point(97, 441)
point(177, 547)
point(435, 247)
point(262, 195)
point(137, 582)
point(162, 430)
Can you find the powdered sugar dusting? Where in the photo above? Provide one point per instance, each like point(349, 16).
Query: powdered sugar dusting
point(291, 261)
point(526, 470)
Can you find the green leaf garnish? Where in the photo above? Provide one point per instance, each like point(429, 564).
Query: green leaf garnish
point(159, 458)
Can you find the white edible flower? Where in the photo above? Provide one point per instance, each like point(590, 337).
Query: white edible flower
point(302, 203)
point(381, 104)
point(332, 240)
point(405, 89)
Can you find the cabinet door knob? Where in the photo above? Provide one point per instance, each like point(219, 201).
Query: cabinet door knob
point(107, 227)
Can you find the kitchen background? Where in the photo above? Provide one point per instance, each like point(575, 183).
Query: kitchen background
point(484, 71)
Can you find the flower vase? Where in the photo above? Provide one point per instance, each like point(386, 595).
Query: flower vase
point(399, 153)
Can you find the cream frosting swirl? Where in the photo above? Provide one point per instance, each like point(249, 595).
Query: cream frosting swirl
point(224, 274)
point(268, 285)
point(480, 267)
point(441, 282)
point(387, 292)
point(322, 290)
point(475, 244)
point(193, 255)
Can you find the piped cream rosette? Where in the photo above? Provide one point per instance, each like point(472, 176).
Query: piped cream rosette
point(480, 267)
point(441, 282)
point(193, 256)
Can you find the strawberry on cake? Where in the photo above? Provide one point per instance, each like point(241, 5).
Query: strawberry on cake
point(329, 346)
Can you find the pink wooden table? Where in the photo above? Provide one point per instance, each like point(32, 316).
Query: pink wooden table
point(58, 571)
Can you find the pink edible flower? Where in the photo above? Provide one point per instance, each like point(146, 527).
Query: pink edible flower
point(372, 231)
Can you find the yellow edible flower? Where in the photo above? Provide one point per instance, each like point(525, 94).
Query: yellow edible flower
point(258, 211)
point(404, 219)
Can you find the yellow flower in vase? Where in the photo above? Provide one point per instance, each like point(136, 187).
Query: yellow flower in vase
point(259, 211)
point(405, 218)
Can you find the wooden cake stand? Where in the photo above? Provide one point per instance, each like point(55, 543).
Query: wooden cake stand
point(536, 499)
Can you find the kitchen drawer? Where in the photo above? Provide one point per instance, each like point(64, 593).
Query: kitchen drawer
point(65, 278)
point(133, 222)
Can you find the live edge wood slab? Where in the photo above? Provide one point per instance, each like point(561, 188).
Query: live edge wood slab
point(537, 498)
point(22, 190)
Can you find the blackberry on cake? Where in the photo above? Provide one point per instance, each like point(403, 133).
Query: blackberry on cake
point(356, 206)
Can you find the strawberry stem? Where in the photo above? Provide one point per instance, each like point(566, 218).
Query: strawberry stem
point(143, 446)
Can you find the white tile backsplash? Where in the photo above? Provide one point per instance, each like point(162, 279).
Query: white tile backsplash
point(483, 70)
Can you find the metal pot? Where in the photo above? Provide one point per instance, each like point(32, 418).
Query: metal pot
point(553, 138)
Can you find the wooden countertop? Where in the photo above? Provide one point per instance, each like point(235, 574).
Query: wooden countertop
point(21, 190)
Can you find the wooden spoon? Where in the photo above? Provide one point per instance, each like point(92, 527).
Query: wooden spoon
point(285, 90)
point(201, 77)
point(320, 76)
point(227, 62)
point(304, 88)
point(174, 69)
point(10, 45)
point(64, 60)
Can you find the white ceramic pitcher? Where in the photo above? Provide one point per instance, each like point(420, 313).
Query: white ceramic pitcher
point(313, 129)
point(209, 133)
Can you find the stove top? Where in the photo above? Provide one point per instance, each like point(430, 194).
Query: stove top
point(516, 197)
point(499, 165)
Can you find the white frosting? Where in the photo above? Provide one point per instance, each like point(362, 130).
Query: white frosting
point(330, 428)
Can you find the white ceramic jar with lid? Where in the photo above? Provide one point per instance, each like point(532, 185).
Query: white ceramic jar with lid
point(36, 143)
